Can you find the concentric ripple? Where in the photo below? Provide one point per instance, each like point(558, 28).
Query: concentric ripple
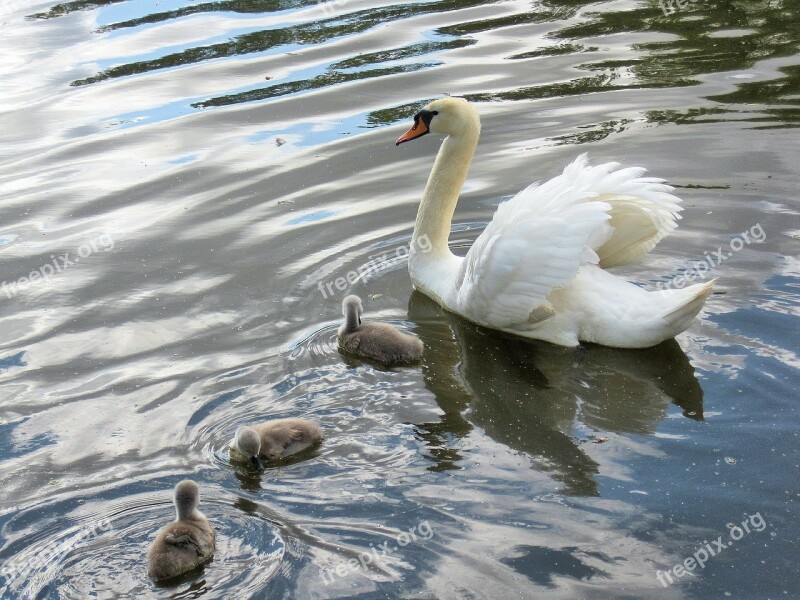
point(100, 557)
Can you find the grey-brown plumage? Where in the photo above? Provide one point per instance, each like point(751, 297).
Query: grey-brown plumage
point(184, 544)
point(376, 341)
point(275, 439)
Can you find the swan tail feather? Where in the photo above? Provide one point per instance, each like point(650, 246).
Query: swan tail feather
point(686, 304)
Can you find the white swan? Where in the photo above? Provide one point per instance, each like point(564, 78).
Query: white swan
point(538, 268)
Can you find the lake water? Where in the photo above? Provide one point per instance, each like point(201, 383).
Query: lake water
point(184, 177)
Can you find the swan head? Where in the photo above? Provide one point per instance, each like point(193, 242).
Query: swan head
point(352, 304)
point(352, 311)
point(248, 442)
point(447, 116)
point(187, 494)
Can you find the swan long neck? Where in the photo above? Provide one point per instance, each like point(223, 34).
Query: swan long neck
point(188, 512)
point(435, 214)
point(351, 320)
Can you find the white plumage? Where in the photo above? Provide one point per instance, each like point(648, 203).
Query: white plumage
point(538, 268)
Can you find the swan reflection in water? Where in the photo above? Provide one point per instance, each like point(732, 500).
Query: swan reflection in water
point(529, 395)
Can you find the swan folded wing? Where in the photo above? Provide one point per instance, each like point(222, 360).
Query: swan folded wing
point(183, 540)
point(526, 252)
point(643, 209)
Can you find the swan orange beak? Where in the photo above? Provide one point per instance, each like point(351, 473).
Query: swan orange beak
point(418, 129)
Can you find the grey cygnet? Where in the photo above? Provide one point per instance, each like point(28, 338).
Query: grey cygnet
point(376, 341)
point(275, 439)
point(185, 543)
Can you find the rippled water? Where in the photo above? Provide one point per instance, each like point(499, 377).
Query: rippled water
point(196, 172)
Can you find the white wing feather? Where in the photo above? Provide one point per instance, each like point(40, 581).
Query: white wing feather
point(643, 209)
point(538, 239)
point(522, 256)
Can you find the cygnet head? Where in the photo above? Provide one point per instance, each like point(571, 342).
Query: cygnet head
point(248, 442)
point(447, 116)
point(187, 495)
point(352, 310)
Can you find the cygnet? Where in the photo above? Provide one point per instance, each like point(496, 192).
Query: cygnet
point(375, 341)
point(275, 439)
point(185, 543)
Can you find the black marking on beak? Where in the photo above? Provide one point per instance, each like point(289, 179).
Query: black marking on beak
point(426, 116)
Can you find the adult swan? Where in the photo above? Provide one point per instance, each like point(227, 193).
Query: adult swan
point(538, 268)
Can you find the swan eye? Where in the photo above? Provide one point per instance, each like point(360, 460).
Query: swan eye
point(426, 116)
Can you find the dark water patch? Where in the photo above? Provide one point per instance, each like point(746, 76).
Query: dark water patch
point(556, 50)
point(65, 8)
point(400, 53)
point(542, 564)
point(321, 81)
point(522, 18)
point(301, 34)
point(241, 7)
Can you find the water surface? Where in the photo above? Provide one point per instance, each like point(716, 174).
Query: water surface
point(195, 173)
